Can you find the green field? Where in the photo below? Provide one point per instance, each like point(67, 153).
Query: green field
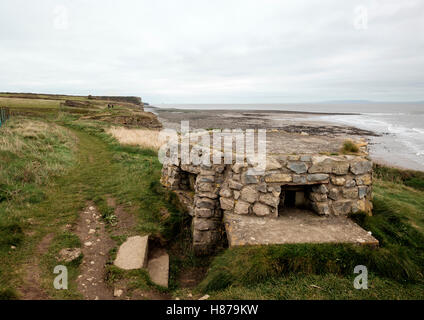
point(52, 163)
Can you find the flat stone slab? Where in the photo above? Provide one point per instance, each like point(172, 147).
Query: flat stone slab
point(132, 254)
point(158, 267)
point(295, 226)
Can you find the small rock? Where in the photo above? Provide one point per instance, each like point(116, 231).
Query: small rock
point(117, 292)
point(205, 297)
point(12, 247)
point(91, 231)
point(190, 295)
point(91, 208)
point(88, 244)
point(69, 254)
point(92, 262)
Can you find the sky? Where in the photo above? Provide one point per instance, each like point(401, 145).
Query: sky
point(222, 51)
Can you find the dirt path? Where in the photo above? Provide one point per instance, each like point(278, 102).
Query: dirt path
point(95, 176)
point(96, 246)
point(32, 287)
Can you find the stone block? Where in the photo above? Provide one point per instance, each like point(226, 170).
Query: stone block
point(249, 194)
point(338, 181)
point(158, 268)
point(320, 189)
point(306, 158)
point(261, 209)
point(365, 179)
point(210, 195)
point(293, 158)
point(297, 167)
point(262, 187)
point(205, 178)
point(300, 179)
point(226, 203)
point(314, 196)
point(321, 208)
point(241, 207)
point(269, 199)
point(249, 179)
point(237, 167)
point(361, 167)
point(341, 207)
point(203, 212)
point(362, 191)
point(272, 163)
point(316, 177)
point(205, 203)
point(278, 178)
point(235, 185)
point(334, 194)
point(203, 224)
point(325, 164)
point(350, 183)
point(350, 193)
point(226, 192)
point(132, 254)
point(205, 187)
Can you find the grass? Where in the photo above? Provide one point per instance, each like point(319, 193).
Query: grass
point(145, 138)
point(49, 171)
point(32, 154)
point(349, 147)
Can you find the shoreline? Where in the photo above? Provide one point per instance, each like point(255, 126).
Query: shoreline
point(383, 147)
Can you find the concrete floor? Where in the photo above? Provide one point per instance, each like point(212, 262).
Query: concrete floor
point(294, 226)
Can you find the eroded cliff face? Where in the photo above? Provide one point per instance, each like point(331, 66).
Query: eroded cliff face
point(129, 99)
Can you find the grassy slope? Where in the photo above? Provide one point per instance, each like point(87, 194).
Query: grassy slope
point(32, 153)
point(99, 167)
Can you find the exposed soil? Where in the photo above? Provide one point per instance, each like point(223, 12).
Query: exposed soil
point(32, 288)
point(126, 222)
point(190, 278)
point(96, 246)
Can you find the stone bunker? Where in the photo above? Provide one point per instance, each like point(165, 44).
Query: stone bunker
point(304, 195)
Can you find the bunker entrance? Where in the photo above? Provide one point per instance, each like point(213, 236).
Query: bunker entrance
point(294, 197)
point(187, 181)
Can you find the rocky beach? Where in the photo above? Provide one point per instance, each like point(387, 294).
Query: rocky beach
point(384, 146)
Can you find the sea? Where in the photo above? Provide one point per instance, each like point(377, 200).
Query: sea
point(399, 124)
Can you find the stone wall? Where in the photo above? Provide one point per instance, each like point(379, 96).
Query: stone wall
point(337, 185)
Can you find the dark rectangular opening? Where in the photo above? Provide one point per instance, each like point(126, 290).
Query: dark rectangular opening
point(294, 197)
point(290, 199)
point(187, 181)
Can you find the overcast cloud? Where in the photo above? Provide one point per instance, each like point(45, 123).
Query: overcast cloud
point(215, 51)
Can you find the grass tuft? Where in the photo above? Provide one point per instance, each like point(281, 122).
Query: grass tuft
point(349, 147)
